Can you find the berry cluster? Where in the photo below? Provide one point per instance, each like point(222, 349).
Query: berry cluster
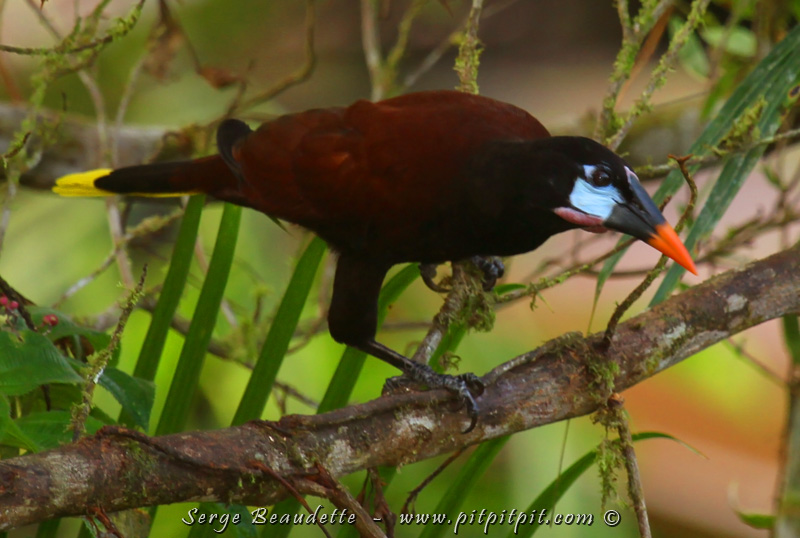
point(8, 305)
point(11, 308)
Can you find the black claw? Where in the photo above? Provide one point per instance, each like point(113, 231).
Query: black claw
point(471, 407)
point(464, 386)
point(397, 384)
point(474, 383)
point(428, 273)
point(473, 420)
point(492, 268)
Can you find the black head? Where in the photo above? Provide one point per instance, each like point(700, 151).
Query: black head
point(590, 187)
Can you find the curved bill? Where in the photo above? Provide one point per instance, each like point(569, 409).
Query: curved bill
point(641, 218)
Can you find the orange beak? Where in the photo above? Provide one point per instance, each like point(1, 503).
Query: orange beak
point(640, 217)
point(667, 242)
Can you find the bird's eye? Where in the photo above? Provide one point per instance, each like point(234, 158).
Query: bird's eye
point(600, 177)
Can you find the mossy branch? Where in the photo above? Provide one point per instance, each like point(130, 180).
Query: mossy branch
point(659, 75)
point(634, 32)
point(469, 51)
point(539, 387)
point(100, 359)
point(119, 28)
point(611, 127)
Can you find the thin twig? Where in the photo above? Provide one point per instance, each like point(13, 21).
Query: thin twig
point(657, 77)
point(633, 33)
point(635, 490)
point(453, 304)
point(341, 498)
point(300, 75)
point(117, 233)
point(535, 288)
point(651, 276)
point(467, 68)
point(96, 95)
point(414, 493)
point(143, 229)
point(397, 52)
point(469, 51)
point(99, 360)
point(290, 488)
point(370, 42)
point(648, 48)
point(122, 108)
point(740, 350)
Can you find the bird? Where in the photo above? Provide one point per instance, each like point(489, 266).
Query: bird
point(427, 177)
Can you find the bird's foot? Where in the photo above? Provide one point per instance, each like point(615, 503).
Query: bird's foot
point(399, 384)
point(492, 268)
point(465, 386)
point(428, 273)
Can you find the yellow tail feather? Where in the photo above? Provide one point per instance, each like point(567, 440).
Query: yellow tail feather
point(82, 184)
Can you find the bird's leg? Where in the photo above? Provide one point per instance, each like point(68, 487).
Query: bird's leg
point(492, 268)
point(465, 386)
point(353, 319)
point(428, 273)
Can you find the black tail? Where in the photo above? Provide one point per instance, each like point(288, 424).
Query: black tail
point(206, 175)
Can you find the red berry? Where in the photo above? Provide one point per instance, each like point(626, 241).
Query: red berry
point(13, 305)
point(3, 300)
point(50, 319)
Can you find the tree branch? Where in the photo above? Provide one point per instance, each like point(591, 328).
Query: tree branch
point(78, 150)
point(120, 469)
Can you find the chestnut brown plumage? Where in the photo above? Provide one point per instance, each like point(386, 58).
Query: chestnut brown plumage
point(427, 177)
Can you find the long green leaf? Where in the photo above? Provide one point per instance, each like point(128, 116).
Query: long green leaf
point(280, 334)
point(469, 474)
point(791, 336)
point(187, 373)
point(47, 529)
point(135, 395)
point(171, 291)
point(771, 79)
point(255, 396)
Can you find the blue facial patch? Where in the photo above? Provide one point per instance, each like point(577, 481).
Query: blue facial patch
point(597, 201)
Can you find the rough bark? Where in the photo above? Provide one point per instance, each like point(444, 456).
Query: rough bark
point(118, 469)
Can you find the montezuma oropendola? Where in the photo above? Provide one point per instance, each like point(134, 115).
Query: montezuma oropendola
point(427, 177)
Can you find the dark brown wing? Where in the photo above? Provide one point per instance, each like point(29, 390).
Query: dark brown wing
point(374, 175)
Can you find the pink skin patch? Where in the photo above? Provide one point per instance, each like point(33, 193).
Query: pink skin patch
point(587, 222)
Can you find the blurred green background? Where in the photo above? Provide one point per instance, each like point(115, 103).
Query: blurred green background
point(550, 57)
